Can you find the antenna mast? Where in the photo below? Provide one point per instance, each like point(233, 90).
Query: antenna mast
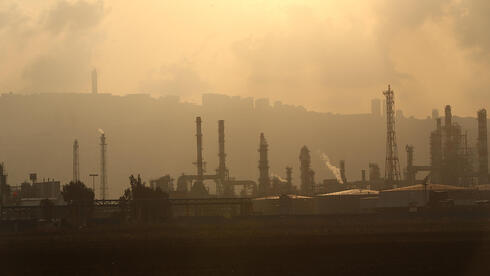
point(392, 165)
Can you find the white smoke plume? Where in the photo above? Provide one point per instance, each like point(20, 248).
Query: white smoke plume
point(100, 131)
point(332, 168)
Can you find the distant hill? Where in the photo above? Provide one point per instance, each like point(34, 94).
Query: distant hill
point(154, 137)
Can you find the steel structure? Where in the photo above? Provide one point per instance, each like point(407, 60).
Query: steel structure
point(392, 164)
point(76, 164)
point(222, 171)
point(198, 187)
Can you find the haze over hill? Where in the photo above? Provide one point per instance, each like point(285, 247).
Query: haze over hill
point(154, 137)
point(325, 55)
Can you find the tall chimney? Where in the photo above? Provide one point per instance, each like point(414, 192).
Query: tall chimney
point(76, 165)
point(94, 82)
point(103, 166)
point(222, 170)
point(199, 162)
point(264, 180)
point(482, 147)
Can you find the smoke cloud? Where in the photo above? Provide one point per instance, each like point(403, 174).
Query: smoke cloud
point(332, 168)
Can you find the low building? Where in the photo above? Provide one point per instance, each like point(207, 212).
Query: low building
point(164, 183)
point(45, 189)
point(353, 201)
point(284, 205)
point(419, 195)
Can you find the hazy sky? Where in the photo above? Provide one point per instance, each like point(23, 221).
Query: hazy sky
point(326, 55)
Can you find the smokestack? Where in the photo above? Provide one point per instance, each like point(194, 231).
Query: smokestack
point(482, 147)
point(103, 165)
point(94, 82)
point(222, 170)
point(342, 171)
point(199, 162)
point(264, 180)
point(76, 164)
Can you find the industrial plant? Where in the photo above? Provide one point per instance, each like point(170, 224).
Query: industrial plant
point(457, 177)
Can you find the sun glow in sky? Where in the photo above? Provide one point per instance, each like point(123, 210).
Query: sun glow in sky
point(331, 56)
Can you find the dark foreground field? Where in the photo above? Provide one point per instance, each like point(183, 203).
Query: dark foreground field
point(266, 246)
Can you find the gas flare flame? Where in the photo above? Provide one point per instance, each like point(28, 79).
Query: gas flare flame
point(332, 168)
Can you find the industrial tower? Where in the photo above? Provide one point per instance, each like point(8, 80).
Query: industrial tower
point(307, 174)
point(198, 187)
point(76, 164)
point(103, 165)
point(392, 164)
point(222, 171)
point(264, 180)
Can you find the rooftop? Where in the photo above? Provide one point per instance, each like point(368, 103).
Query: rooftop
point(352, 192)
point(433, 187)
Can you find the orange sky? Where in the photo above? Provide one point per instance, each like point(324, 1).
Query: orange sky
point(331, 56)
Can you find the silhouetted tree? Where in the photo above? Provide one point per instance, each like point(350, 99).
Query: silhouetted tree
point(80, 200)
point(143, 204)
